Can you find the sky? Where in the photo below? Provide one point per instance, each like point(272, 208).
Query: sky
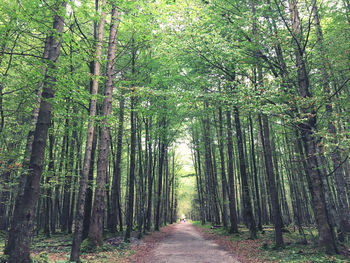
point(183, 153)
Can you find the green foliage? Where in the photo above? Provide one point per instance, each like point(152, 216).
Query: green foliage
point(42, 257)
point(187, 53)
point(87, 246)
point(291, 253)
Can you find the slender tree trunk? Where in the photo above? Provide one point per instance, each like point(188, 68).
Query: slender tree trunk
point(294, 194)
point(255, 172)
point(160, 175)
point(64, 213)
point(50, 170)
point(77, 171)
point(150, 172)
point(130, 205)
point(56, 206)
point(276, 211)
point(308, 128)
point(172, 216)
point(145, 174)
point(68, 178)
point(166, 188)
point(232, 201)
point(116, 209)
point(223, 169)
point(198, 169)
point(340, 183)
point(79, 217)
point(141, 182)
point(244, 178)
point(96, 224)
point(90, 186)
point(18, 245)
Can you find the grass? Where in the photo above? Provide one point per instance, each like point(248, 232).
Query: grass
point(293, 251)
point(56, 249)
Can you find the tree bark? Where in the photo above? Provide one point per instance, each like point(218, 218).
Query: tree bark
point(255, 172)
point(340, 183)
point(50, 170)
point(96, 224)
point(160, 175)
point(248, 212)
point(116, 208)
point(18, 246)
point(79, 216)
point(150, 173)
point(130, 204)
point(223, 169)
point(232, 201)
point(276, 211)
point(308, 128)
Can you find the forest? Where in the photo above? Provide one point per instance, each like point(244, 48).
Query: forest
point(103, 103)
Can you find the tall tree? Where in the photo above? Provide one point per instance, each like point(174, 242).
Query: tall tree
point(273, 191)
point(248, 212)
point(231, 196)
point(20, 233)
point(79, 216)
point(96, 225)
point(308, 128)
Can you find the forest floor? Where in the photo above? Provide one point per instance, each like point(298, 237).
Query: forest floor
point(185, 242)
point(262, 249)
point(56, 249)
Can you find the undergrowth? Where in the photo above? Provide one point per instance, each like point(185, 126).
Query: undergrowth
point(56, 249)
point(293, 251)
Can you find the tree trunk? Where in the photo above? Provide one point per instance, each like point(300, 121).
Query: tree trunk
point(18, 245)
point(116, 208)
point(308, 128)
point(90, 185)
point(276, 211)
point(340, 183)
point(248, 212)
point(50, 171)
point(140, 182)
point(232, 201)
point(130, 205)
point(255, 172)
point(223, 170)
point(150, 173)
point(96, 224)
point(160, 175)
point(79, 216)
point(68, 178)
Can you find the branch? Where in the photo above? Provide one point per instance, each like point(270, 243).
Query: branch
point(23, 54)
point(336, 168)
point(288, 28)
point(335, 93)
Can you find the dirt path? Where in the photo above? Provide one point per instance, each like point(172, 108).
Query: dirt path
point(186, 245)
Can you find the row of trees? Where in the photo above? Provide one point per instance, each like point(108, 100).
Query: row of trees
point(273, 143)
point(94, 95)
point(91, 151)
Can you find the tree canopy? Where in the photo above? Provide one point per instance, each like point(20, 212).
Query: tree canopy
point(95, 96)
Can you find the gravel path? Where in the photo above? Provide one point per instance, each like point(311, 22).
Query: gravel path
point(186, 245)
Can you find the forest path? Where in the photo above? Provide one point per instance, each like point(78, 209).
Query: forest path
point(185, 244)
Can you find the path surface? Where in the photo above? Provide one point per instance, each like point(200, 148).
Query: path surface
point(186, 245)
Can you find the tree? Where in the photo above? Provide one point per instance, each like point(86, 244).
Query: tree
point(18, 244)
point(79, 217)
